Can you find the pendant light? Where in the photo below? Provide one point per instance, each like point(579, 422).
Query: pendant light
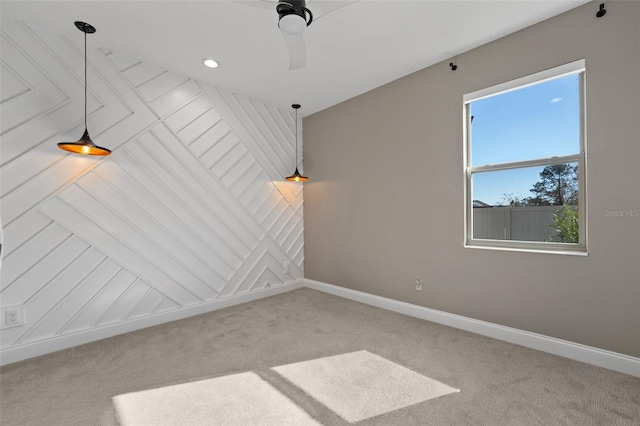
point(296, 176)
point(84, 145)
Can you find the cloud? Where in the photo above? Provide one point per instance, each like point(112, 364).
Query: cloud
point(555, 100)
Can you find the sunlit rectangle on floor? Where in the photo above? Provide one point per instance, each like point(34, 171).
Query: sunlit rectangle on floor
point(360, 385)
point(239, 399)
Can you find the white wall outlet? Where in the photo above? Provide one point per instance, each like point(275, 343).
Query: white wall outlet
point(12, 316)
point(286, 267)
point(418, 284)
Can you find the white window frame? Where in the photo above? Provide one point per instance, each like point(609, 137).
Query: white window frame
point(576, 67)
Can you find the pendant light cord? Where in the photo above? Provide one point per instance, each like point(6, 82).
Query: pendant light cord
point(296, 138)
point(85, 81)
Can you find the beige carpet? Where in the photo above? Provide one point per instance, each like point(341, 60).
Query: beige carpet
point(360, 385)
point(500, 383)
point(235, 400)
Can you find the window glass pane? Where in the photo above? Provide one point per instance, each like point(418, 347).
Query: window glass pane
point(526, 204)
point(538, 121)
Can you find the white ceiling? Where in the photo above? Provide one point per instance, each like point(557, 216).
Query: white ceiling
point(353, 49)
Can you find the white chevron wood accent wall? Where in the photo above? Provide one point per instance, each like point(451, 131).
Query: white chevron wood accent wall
point(191, 208)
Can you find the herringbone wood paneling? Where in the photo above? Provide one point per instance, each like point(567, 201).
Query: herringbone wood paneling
point(191, 206)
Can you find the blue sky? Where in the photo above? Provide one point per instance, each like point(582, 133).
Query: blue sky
point(539, 121)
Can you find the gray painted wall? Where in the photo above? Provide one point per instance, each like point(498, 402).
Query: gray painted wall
point(388, 165)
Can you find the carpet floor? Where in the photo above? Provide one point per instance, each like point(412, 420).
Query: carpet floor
point(499, 383)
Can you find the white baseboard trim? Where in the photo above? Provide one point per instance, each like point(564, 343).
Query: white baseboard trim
point(599, 357)
point(30, 350)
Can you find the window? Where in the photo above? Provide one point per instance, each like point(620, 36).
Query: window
point(525, 163)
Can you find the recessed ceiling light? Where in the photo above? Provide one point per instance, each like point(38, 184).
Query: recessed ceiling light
point(210, 63)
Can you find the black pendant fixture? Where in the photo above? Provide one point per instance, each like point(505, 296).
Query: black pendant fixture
point(296, 176)
point(84, 145)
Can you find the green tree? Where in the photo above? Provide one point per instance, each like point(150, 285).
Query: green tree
point(565, 225)
point(558, 186)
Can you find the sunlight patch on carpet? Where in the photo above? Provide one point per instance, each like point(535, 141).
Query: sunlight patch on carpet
point(238, 399)
point(360, 385)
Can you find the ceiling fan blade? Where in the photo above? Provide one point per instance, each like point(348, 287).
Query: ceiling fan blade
point(297, 50)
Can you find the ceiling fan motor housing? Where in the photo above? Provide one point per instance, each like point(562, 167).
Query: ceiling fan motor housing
point(293, 16)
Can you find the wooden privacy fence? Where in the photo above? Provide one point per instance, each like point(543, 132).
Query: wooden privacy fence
point(530, 223)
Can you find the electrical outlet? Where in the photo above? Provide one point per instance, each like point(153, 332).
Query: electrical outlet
point(12, 316)
point(419, 284)
point(286, 267)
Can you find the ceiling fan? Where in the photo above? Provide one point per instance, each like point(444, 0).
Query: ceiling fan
point(294, 17)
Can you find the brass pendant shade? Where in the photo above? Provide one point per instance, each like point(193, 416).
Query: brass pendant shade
point(296, 176)
point(84, 145)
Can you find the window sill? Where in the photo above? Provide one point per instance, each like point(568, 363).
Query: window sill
point(526, 248)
